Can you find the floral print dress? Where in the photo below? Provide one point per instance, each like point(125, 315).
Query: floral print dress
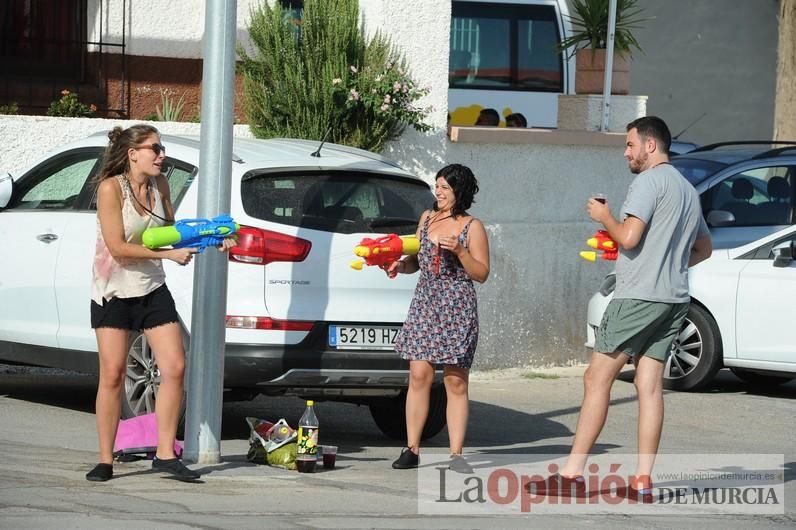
point(442, 324)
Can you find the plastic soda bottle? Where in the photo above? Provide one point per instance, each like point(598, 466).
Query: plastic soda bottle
point(308, 432)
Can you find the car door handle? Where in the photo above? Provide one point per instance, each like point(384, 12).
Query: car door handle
point(46, 238)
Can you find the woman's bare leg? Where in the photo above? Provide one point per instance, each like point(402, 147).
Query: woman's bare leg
point(166, 344)
point(421, 376)
point(458, 410)
point(112, 345)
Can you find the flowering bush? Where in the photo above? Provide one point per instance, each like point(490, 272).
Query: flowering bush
point(70, 106)
point(381, 94)
point(325, 74)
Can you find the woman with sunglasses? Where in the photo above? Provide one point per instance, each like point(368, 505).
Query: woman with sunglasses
point(441, 327)
point(129, 291)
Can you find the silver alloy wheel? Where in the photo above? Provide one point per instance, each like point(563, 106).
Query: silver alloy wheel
point(142, 378)
point(686, 352)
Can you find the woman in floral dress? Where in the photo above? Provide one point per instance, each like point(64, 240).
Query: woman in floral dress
point(442, 324)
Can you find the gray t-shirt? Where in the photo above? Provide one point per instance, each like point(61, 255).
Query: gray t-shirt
point(657, 269)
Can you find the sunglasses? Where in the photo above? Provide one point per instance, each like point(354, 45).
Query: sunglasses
point(157, 148)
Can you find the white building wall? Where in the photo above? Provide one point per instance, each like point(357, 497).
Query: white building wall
point(420, 29)
point(156, 28)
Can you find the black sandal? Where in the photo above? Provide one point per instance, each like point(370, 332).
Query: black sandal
point(100, 473)
point(175, 467)
point(407, 460)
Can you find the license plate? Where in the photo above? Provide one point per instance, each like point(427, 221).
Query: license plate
point(363, 337)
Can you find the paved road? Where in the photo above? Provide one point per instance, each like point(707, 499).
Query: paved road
point(47, 443)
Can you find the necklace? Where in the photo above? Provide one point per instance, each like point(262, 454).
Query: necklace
point(148, 200)
point(438, 218)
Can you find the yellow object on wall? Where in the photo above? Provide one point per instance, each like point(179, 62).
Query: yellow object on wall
point(466, 116)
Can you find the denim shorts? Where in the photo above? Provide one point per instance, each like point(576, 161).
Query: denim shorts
point(140, 312)
point(638, 327)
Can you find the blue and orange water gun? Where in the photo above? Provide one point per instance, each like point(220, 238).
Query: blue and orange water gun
point(195, 233)
point(606, 248)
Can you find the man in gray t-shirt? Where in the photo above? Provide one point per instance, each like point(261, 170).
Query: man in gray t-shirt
point(656, 269)
point(660, 235)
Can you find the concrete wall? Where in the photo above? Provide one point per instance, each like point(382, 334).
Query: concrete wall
point(532, 201)
point(712, 56)
point(29, 138)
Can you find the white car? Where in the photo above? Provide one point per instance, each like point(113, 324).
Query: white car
point(300, 320)
point(740, 316)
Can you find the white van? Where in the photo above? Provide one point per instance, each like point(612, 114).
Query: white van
point(503, 56)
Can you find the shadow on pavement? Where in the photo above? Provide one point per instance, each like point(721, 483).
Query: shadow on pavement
point(70, 390)
point(492, 428)
point(350, 426)
point(502, 430)
point(726, 382)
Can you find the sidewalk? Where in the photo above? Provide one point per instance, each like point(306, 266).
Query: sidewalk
point(48, 443)
point(48, 449)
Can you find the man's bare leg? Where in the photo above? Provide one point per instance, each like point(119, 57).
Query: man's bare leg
point(649, 385)
point(597, 382)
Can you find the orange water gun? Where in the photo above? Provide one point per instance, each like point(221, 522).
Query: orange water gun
point(384, 251)
point(607, 247)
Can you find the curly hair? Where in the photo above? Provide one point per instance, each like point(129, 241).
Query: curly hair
point(464, 185)
point(115, 160)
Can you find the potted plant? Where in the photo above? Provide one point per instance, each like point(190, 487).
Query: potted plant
point(590, 37)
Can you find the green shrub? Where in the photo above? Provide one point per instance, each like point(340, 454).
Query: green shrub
point(169, 110)
point(11, 108)
point(197, 115)
point(70, 106)
point(323, 73)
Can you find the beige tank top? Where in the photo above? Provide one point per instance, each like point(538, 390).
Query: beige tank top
point(133, 277)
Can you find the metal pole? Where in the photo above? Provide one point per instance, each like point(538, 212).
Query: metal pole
point(609, 66)
point(206, 359)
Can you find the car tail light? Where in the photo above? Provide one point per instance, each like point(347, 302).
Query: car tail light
point(250, 322)
point(261, 247)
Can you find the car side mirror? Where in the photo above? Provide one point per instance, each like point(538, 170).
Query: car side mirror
point(719, 218)
point(6, 189)
point(783, 254)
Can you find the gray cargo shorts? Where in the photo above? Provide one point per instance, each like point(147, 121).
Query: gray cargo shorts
point(638, 327)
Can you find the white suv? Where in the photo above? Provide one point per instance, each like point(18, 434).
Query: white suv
point(300, 320)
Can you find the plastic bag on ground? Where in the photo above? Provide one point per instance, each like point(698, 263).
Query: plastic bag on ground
point(138, 438)
point(275, 447)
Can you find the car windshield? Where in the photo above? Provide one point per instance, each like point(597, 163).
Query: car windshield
point(695, 170)
point(342, 202)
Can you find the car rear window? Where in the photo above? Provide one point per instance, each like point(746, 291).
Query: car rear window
point(695, 170)
point(346, 203)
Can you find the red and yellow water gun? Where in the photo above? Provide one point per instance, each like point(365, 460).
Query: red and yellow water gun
point(384, 251)
point(607, 247)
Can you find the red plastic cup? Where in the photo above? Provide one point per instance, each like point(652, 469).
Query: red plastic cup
point(329, 456)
